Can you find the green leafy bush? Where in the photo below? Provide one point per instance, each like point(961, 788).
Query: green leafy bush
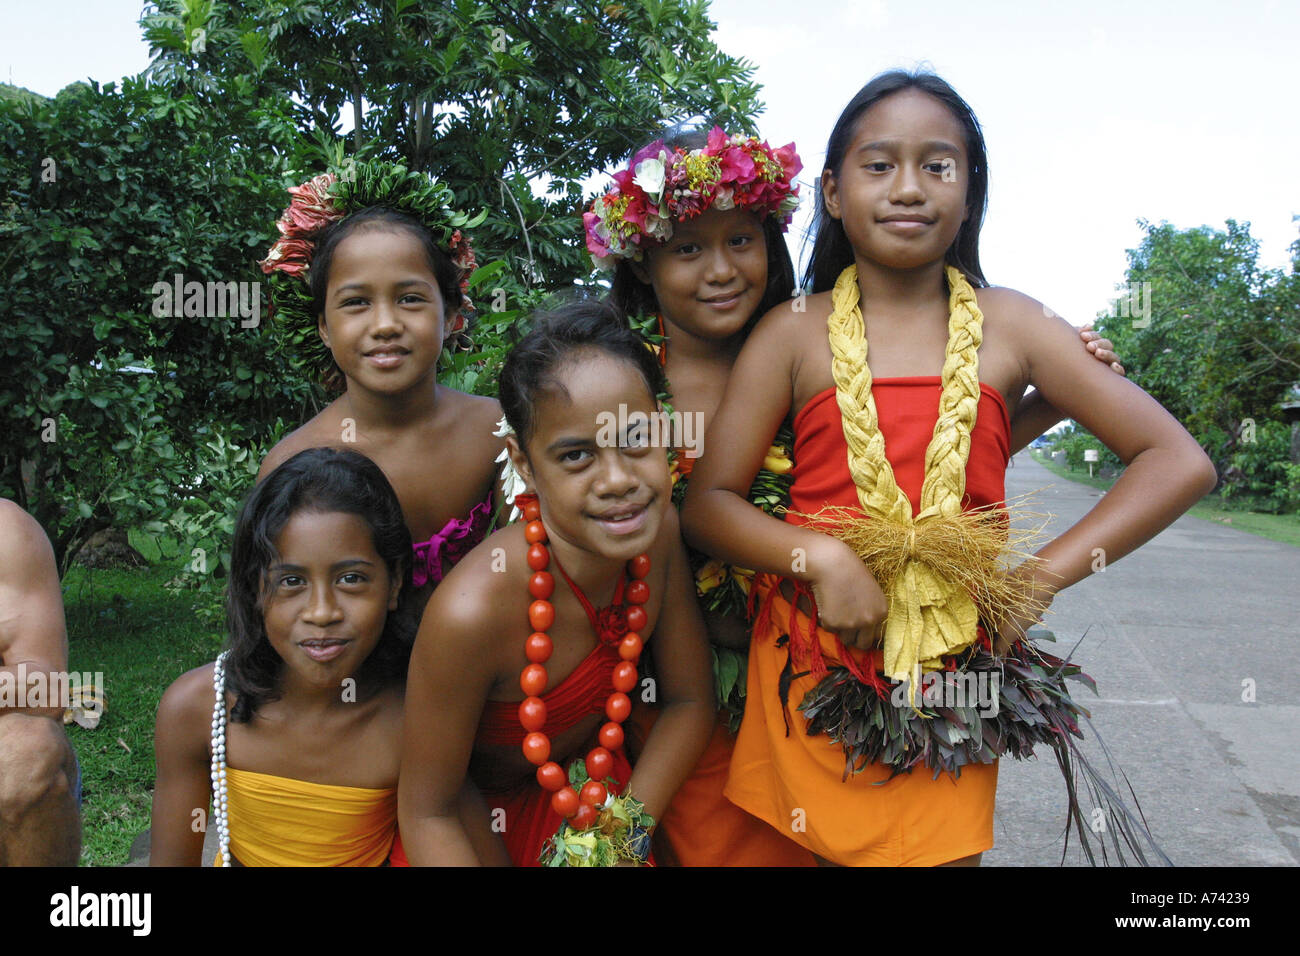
point(1075, 440)
point(1261, 471)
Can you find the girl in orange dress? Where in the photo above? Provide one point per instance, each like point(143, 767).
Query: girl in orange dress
point(912, 433)
point(696, 280)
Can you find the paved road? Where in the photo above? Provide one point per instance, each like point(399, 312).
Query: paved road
point(1177, 633)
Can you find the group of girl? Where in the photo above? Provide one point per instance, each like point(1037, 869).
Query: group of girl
point(560, 689)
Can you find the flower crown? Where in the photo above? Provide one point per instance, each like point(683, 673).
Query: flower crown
point(661, 185)
point(326, 199)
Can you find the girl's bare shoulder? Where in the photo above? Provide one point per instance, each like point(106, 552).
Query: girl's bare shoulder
point(474, 417)
point(1012, 309)
point(185, 710)
point(797, 315)
point(476, 595)
point(322, 431)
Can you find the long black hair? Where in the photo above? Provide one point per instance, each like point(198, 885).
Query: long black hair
point(534, 363)
point(631, 297)
point(324, 480)
point(376, 218)
point(832, 252)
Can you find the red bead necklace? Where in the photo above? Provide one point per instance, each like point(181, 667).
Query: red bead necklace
point(581, 809)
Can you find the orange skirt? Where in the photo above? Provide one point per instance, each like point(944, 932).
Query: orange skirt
point(701, 826)
point(795, 784)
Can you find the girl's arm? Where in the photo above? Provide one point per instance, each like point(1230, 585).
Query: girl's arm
point(686, 720)
point(1166, 473)
point(1034, 415)
point(718, 518)
point(182, 791)
point(449, 679)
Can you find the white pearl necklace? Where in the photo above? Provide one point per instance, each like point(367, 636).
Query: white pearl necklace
point(219, 759)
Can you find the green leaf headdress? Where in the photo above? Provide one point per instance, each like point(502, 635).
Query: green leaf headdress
point(329, 198)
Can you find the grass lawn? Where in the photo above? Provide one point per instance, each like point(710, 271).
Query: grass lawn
point(1283, 528)
point(124, 624)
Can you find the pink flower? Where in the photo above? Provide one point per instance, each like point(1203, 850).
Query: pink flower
point(290, 256)
point(596, 244)
point(789, 161)
point(315, 194)
point(650, 151)
point(310, 210)
point(737, 166)
point(637, 205)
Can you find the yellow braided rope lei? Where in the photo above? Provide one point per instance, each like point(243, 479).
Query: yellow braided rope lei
point(933, 567)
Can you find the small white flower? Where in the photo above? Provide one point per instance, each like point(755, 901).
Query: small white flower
point(722, 198)
point(649, 175)
point(659, 228)
point(512, 483)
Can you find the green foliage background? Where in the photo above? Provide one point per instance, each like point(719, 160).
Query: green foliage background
point(159, 422)
point(1218, 345)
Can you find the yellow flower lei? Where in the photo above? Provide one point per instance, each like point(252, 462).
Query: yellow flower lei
point(934, 566)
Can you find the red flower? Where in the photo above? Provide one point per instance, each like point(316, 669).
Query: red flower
point(635, 211)
point(611, 624)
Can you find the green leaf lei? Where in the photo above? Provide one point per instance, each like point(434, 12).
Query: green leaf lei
point(621, 829)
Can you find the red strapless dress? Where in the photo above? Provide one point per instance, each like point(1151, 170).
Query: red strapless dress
point(794, 781)
point(529, 819)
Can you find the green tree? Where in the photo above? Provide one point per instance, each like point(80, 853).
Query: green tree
point(106, 403)
point(512, 103)
point(1212, 335)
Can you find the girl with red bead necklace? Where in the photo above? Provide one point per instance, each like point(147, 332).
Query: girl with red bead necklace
point(525, 663)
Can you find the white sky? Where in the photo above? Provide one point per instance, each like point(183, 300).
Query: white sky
point(1095, 113)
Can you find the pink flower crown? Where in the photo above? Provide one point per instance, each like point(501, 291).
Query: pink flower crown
point(663, 185)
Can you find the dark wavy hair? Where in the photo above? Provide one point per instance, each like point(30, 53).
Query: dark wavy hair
point(323, 480)
point(631, 297)
point(534, 363)
point(832, 252)
point(377, 218)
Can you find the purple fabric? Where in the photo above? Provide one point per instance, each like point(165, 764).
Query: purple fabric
point(457, 538)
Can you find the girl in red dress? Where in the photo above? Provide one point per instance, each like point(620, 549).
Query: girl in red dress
point(700, 278)
point(598, 567)
point(899, 210)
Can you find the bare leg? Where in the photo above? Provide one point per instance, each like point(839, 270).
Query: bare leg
point(39, 821)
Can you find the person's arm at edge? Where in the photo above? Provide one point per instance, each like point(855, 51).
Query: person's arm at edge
point(717, 517)
point(33, 635)
point(1167, 471)
point(720, 521)
point(685, 682)
point(1034, 415)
